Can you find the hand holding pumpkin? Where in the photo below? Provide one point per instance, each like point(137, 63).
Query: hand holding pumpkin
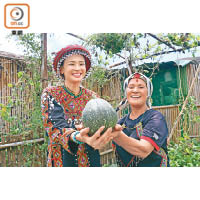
point(116, 131)
point(99, 116)
point(97, 141)
point(118, 127)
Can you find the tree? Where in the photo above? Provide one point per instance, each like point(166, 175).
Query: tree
point(134, 47)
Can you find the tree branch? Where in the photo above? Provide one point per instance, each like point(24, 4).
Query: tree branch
point(117, 64)
point(120, 56)
point(156, 54)
point(76, 36)
point(164, 42)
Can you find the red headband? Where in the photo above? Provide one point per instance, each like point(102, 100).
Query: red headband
point(139, 76)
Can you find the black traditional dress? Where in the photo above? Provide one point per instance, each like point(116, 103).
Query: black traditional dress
point(150, 126)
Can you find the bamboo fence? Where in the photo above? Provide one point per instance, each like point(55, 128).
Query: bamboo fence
point(9, 75)
point(18, 151)
point(191, 70)
point(21, 149)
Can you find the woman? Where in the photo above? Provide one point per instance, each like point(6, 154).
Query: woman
point(143, 140)
point(62, 106)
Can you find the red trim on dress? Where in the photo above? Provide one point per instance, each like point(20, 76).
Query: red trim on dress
point(151, 141)
point(113, 146)
point(131, 161)
point(137, 133)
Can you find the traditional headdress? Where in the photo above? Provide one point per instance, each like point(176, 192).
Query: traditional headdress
point(148, 82)
point(69, 51)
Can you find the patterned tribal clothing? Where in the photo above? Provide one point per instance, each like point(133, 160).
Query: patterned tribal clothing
point(150, 126)
point(61, 111)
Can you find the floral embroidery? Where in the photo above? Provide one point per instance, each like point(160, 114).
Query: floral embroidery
point(138, 128)
point(162, 153)
point(82, 156)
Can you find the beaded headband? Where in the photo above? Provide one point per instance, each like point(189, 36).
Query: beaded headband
point(138, 76)
point(149, 84)
point(142, 77)
point(68, 51)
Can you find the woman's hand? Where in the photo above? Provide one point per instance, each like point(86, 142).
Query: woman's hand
point(79, 127)
point(116, 131)
point(97, 141)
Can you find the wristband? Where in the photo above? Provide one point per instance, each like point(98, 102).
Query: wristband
point(74, 137)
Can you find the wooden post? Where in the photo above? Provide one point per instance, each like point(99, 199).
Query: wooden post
point(129, 64)
point(44, 71)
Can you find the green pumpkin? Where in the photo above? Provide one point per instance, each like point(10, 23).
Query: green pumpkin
point(97, 113)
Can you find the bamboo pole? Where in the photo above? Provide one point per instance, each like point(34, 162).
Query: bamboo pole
point(106, 152)
point(44, 71)
point(185, 102)
point(3, 146)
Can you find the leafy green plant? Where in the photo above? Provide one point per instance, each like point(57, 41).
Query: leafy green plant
point(185, 153)
point(29, 120)
point(190, 115)
point(141, 46)
point(98, 76)
point(112, 43)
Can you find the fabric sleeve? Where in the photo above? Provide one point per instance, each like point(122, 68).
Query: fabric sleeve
point(121, 121)
point(155, 131)
point(55, 124)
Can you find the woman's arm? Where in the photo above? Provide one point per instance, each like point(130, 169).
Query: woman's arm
point(97, 141)
point(53, 126)
point(154, 135)
point(141, 148)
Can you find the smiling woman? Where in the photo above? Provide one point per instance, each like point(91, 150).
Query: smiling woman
point(73, 70)
point(62, 106)
point(143, 140)
point(137, 93)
